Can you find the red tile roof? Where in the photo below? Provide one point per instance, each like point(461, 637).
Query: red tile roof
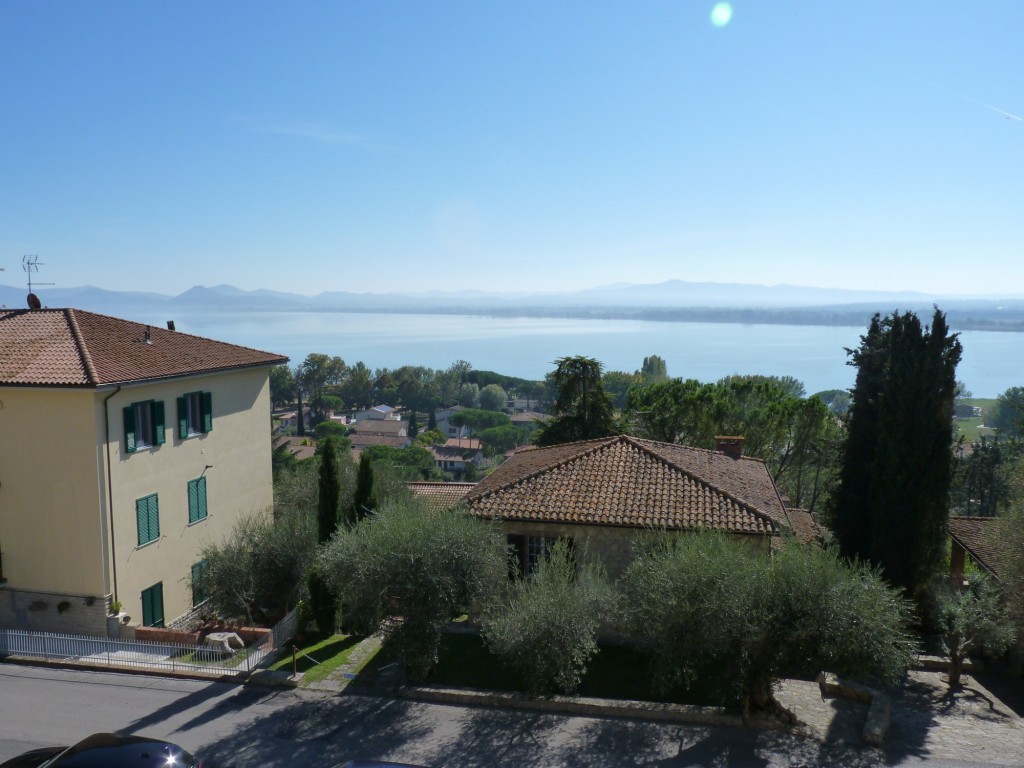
point(625, 481)
point(440, 495)
point(75, 348)
point(982, 538)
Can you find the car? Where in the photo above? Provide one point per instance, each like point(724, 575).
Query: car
point(108, 750)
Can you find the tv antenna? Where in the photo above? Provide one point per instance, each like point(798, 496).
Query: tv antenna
point(31, 265)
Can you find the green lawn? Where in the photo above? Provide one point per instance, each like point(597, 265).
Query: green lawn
point(971, 428)
point(319, 656)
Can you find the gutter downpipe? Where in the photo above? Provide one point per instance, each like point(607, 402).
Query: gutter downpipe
point(110, 489)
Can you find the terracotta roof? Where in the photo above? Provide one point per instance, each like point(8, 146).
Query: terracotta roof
point(295, 446)
point(72, 347)
point(440, 495)
point(625, 481)
point(380, 427)
point(805, 528)
point(463, 443)
point(980, 536)
point(360, 440)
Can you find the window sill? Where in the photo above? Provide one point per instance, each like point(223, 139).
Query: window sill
point(197, 522)
point(148, 543)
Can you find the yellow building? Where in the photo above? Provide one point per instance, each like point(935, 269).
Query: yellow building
point(123, 450)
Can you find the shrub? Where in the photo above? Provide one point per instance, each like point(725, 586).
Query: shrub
point(546, 631)
point(408, 571)
point(702, 600)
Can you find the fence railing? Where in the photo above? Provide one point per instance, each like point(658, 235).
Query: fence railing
point(113, 652)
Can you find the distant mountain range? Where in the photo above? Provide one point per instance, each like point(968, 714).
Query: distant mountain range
point(673, 300)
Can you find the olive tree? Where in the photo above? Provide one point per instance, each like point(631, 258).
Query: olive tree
point(407, 571)
point(703, 602)
point(546, 628)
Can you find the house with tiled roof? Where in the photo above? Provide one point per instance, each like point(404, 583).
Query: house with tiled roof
point(606, 491)
point(124, 448)
point(977, 538)
point(440, 496)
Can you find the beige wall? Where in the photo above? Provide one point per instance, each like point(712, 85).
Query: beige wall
point(54, 509)
point(238, 483)
point(51, 520)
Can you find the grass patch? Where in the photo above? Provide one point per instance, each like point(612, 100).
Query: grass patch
point(972, 428)
point(319, 656)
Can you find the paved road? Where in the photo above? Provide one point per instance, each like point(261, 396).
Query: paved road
point(234, 727)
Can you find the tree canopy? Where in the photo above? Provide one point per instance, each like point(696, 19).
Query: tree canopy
point(893, 501)
point(582, 408)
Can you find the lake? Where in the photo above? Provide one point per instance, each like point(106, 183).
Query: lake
point(527, 347)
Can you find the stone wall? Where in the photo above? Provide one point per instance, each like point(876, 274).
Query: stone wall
point(53, 612)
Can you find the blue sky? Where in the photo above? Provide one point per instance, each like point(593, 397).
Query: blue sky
point(528, 145)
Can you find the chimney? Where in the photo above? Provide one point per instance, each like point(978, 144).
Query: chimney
point(730, 445)
point(170, 325)
point(148, 339)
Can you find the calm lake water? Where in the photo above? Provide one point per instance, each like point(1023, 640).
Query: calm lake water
point(527, 347)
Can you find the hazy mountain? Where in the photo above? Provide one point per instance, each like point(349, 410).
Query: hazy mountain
point(671, 300)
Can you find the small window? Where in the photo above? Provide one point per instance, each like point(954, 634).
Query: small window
point(526, 552)
point(143, 425)
point(195, 414)
point(200, 589)
point(147, 517)
point(153, 606)
point(197, 500)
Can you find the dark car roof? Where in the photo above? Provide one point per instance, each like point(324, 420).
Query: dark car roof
point(112, 750)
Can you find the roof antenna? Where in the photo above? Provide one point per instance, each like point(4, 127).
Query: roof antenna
point(31, 264)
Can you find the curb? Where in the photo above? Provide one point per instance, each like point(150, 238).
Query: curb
point(590, 707)
point(237, 678)
point(876, 724)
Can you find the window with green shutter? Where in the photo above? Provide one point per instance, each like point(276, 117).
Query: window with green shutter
point(197, 500)
point(200, 593)
point(144, 425)
point(153, 606)
point(147, 518)
point(195, 414)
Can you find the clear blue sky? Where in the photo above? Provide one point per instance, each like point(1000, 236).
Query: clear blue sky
point(379, 146)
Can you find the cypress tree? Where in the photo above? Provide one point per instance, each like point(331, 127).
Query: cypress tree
point(431, 420)
point(414, 426)
point(323, 603)
point(893, 502)
point(365, 500)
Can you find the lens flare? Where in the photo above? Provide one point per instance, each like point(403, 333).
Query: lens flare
point(721, 14)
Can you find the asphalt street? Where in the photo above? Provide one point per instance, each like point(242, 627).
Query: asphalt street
point(230, 726)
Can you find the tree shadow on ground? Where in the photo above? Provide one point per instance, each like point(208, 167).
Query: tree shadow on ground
point(1005, 686)
point(193, 700)
point(321, 732)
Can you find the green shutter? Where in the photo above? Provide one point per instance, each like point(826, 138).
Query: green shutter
point(196, 499)
point(201, 488)
point(207, 412)
point(153, 606)
point(182, 417)
point(158, 422)
point(198, 585)
point(129, 428)
point(142, 520)
point(154, 517)
point(147, 518)
point(193, 500)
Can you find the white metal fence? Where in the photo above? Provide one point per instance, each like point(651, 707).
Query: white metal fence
point(111, 652)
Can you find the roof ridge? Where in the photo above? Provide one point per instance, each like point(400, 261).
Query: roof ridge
point(703, 481)
point(593, 445)
point(83, 350)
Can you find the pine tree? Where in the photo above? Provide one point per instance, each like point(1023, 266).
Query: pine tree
point(582, 408)
point(893, 502)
